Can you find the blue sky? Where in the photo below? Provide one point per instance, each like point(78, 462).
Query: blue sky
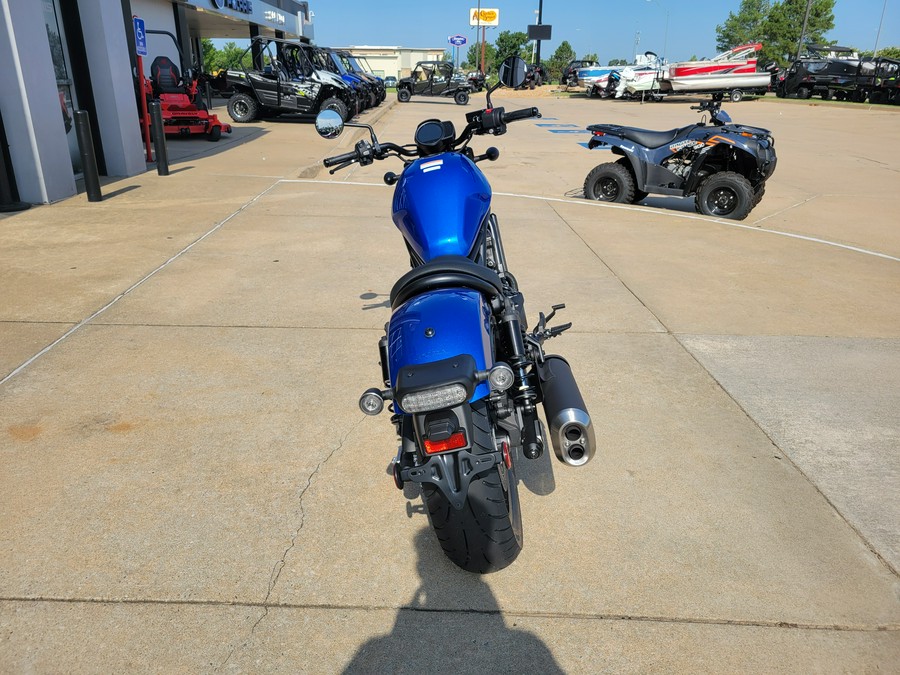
point(605, 28)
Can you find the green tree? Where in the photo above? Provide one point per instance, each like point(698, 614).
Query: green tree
point(511, 43)
point(617, 62)
point(743, 27)
point(473, 57)
point(210, 55)
point(591, 57)
point(782, 25)
point(887, 52)
point(233, 56)
point(560, 59)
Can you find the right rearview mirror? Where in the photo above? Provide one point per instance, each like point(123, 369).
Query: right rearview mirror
point(512, 72)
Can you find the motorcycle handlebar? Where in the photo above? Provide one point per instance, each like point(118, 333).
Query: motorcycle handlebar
point(340, 159)
point(523, 114)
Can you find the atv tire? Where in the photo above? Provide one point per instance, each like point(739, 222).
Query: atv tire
point(725, 194)
point(243, 108)
point(758, 193)
point(610, 182)
point(403, 95)
point(338, 106)
point(486, 534)
point(461, 97)
point(639, 195)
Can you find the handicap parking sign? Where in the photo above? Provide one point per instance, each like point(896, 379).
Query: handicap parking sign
point(140, 37)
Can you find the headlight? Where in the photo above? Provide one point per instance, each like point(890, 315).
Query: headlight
point(434, 399)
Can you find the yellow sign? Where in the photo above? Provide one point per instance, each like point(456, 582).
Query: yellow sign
point(488, 17)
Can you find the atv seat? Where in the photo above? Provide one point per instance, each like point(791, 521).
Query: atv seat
point(165, 77)
point(645, 137)
point(448, 271)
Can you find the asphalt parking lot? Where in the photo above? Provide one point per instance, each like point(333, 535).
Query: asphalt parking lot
point(187, 483)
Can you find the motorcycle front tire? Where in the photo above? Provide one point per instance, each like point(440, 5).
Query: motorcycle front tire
point(486, 534)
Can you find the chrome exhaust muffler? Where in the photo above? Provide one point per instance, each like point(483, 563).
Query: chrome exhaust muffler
point(571, 430)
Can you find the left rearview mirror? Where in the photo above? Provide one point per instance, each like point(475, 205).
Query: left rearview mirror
point(329, 124)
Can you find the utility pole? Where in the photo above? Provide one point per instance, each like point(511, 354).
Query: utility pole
point(803, 30)
point(540, 17)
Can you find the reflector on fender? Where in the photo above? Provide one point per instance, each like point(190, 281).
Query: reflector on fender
point(434, 399)
point(456, 441)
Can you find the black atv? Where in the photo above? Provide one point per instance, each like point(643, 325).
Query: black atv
point(433, 78)
point(724, 165)
point(289, 82)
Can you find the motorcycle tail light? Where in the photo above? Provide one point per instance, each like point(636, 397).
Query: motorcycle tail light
point(434, 399)
point(599, 133)
point(456, 441)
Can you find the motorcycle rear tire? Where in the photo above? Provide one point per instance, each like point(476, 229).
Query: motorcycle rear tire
point(610, 182)
point(486, 534)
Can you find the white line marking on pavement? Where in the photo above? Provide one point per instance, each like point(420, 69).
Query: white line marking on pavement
point(659, 212)
point(134, 286)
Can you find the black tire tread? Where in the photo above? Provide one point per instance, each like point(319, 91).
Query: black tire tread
point(611, 170)
point(480, 537)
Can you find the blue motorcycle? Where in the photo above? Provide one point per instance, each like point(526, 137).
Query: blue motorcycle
point(462, 375)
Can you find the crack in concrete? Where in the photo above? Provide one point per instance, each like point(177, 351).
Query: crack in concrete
point(890, 627)
point(280, 564)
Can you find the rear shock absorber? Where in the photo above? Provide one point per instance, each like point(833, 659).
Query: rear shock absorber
point(523, 393)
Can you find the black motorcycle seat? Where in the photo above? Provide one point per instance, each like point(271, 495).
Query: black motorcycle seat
point(645, 137)
point(449, 271)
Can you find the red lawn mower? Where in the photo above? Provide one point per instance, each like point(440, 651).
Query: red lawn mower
point(183, 111)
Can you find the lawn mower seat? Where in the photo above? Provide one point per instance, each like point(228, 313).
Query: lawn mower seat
point(165, 77)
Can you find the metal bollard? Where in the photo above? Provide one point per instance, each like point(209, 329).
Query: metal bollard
point(88, 156)
point(159, 138)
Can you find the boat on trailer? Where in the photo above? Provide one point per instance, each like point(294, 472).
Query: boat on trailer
point(734, 70)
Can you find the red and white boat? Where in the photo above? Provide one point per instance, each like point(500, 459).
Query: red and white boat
point(731, 70)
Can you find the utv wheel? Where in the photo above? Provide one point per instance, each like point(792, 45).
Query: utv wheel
point(610, 182)
point(725, 195)
point(779, 91)
point(486, 534)
point(214, 134)
point(338, 106)
point(242, 108)
point(804, 92)
point(736, 95)
point(403, 95)
point(461, 97)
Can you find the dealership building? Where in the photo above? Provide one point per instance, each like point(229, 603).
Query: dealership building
point(60, 56)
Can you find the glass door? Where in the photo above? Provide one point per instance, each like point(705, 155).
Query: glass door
point(67, 102)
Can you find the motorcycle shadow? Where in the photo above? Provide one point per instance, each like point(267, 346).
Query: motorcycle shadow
point(376, 305)
point(433, 633)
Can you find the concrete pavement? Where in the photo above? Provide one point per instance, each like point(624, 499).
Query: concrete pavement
point(188, 485)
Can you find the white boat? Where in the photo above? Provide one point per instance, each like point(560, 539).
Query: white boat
point(731, 70)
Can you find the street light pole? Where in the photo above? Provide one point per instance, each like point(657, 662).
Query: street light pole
point(540, 14)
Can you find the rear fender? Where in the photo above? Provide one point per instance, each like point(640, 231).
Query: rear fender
point(439, 325)
point(624, 148)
